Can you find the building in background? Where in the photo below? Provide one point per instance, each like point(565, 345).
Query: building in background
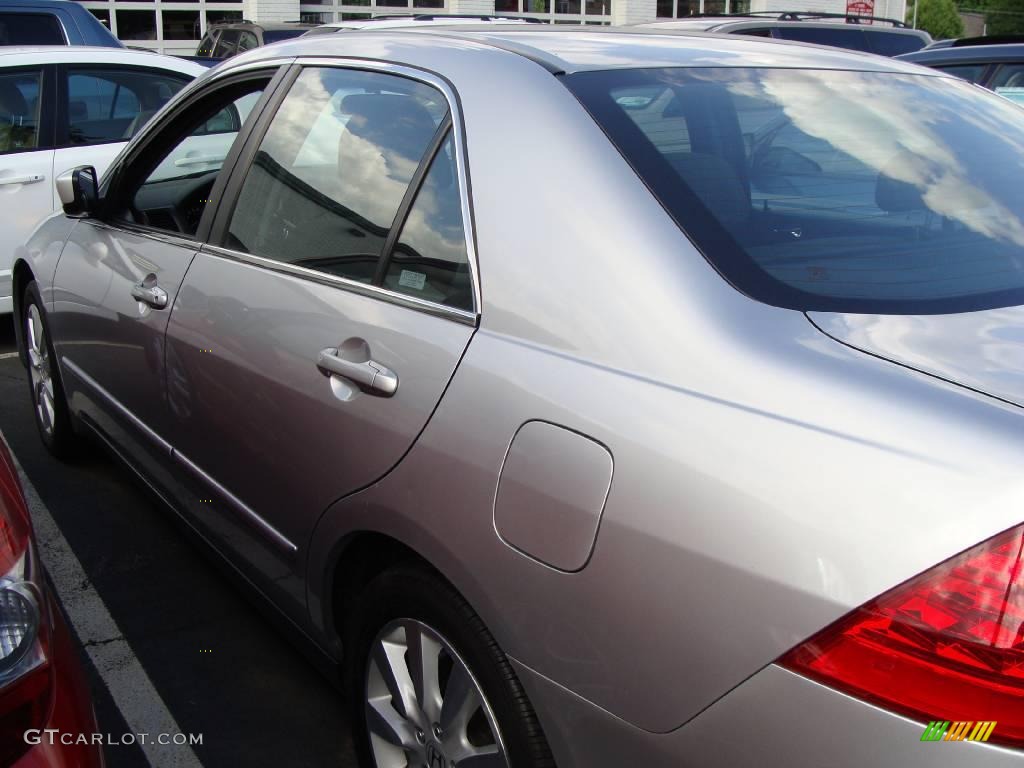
point(177, 26)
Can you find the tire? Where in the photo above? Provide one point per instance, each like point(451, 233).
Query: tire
point(413, 607)
point(49, 405)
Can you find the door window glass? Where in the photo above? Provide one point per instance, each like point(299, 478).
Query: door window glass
point(174, 194)
point(19, 110)
point(30, 29)
point(835, 35)
point(972, 73)
point(328, 178)
point(430, 260)
point(247, 41)
point(111, 105)
point(1008, 81)
point(889, 43)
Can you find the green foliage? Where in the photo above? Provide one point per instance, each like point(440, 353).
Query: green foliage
point(1002, 17)
point(939, 18)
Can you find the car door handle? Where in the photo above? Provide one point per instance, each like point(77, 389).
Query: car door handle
point(370, 376)
point(31, 178)
point(148, 292)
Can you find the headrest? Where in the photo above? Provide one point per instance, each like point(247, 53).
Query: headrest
point(11, 101)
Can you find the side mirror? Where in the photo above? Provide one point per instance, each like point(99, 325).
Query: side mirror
point(79, 191)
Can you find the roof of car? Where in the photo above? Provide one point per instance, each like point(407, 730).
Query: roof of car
point(271, 26)
point(73, 54)
point(561, 49)
point(723, 23)
point(970, 53)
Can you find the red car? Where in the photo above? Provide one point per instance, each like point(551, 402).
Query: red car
point(42, 685)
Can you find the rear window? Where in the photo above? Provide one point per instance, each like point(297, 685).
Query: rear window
point(30, 29)
point(888, 43)
point(830, 190)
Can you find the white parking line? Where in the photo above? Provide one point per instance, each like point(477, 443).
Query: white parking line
point(129, 685)
point(6, 355)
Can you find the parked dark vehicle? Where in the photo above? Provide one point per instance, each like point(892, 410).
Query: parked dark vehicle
point(222, 41)
point(52, 22)
point(42, 683)
point(854, 33)
point(999, 67)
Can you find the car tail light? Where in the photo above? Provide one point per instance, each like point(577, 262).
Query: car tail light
point(946, 645)
point(25, 672)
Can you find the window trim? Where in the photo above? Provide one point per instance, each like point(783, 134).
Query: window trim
point(64, 72)
point(217, 236)
point(46, 141)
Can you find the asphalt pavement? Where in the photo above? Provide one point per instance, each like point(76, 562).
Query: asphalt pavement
point(216, 663)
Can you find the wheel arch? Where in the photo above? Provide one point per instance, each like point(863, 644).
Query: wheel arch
point(356, 560)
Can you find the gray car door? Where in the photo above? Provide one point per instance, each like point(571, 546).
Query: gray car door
point(308, 349)
point(119, 273)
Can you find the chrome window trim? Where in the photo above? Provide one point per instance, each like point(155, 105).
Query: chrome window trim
point(152, 233)
point(269, 532)
point(440, 84)
point(353, 286)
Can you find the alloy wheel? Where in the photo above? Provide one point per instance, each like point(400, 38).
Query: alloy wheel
point(424, 708)
point(39, 370)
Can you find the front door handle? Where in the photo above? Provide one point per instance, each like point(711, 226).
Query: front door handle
point(370, 376)
point(148, 292)
point(31, 178)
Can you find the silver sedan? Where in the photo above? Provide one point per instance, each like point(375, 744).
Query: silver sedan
point(588, 399)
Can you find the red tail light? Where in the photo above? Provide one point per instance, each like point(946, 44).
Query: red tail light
point(25, 673)
point(946, 645)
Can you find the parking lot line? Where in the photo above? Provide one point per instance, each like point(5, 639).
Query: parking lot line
point(129, 685)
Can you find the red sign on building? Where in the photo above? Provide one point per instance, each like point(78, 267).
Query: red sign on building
point(860, 8)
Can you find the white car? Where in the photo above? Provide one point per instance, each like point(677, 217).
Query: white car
point(65, 107)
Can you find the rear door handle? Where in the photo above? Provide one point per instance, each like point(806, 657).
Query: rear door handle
point(370, 376)
point(31, 178)
point(148, 292)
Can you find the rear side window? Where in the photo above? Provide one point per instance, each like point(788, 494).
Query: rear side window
point(888, 43)
point(19, 110)
point(804, 193)
point(838, 37)
point(334, 169)
point(108, 105)
point(30, 29)
point(430, 260)
point(972, 73)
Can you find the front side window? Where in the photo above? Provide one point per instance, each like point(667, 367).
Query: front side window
point(19, 110)
point(1008, 81)
point(330, 175)
point(247, 41)
point(831, 190)
point(105, 105)
point(176, 185)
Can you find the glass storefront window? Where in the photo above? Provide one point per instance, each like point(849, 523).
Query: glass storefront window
point(567, 6)
point(136, 25)
point(181, 25)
